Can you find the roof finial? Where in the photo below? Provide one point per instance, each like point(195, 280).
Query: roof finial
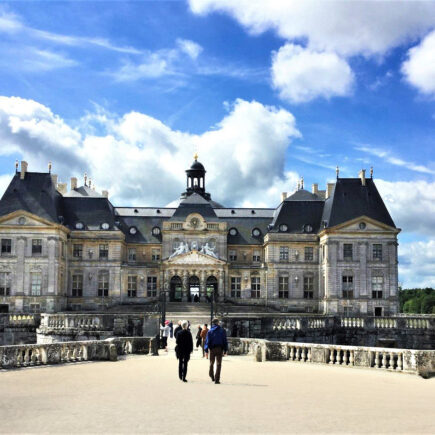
point(86, 178)
point(302, 182)
point(16, 166)
point(90, 182)
point(371, 171)
point(49, 167)
point(299, 184)
point(195, 156)
point(337, 171)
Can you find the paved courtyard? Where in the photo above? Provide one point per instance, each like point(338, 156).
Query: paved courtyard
point(143, 394)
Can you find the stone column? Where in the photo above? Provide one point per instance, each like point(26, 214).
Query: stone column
point(331, 290)
point(221, 285)
point(185, 286)
point(52, 275)
point(363, 251)
point(202, 286)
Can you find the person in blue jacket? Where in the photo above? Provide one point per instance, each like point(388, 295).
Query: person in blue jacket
point(216, 342)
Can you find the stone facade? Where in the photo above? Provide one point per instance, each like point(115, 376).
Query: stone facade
point(95, 256)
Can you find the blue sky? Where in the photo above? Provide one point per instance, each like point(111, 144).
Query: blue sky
point(266, 92)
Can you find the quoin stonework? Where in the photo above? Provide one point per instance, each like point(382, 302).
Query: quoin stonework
point(325, 251)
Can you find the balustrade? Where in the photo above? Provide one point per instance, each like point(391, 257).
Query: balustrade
point(352, 322)
point(417, 323)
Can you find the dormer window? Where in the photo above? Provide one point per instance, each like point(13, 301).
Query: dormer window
point(283, 228)
point(79, 225)
point(256, 232)
point(105, 226)
point(233, 232)
point(156, 231)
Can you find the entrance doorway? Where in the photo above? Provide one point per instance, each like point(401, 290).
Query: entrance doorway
point(4, 308)
point(211, 287)
point(194, 289)
point(175, 294)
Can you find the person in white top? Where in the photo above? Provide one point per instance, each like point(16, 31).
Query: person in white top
point(166, 331)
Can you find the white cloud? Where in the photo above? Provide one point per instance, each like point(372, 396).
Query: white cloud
point(411, 204)
point(302, 75)
point(388, 157)
point(142, 161)
point(345, 27)
point(417, 264)
point(191, 48)
point(419, 68)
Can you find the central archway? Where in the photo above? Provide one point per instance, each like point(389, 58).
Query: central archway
point(211, 288)
point(194, 285)
point(176, 289)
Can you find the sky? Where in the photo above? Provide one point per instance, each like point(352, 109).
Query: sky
point(266, 92)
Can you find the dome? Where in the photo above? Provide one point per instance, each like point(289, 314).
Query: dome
point(197, 166)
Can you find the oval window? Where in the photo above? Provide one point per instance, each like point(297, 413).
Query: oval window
point(105, 226)
point(79, 226)
point(156, 231)
point(256, 232)
point(362, 225)
point(132, 230)
point(233, 232)
point(308, 228)
point(283, 227)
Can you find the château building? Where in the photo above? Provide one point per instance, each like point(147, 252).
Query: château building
point(330, 251)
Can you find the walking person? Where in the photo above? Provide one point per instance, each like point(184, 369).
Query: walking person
point(184, 349)
point(198, 336)
point(177, 329)
point(166, 330)
point(216, 342)
point(171, 329)
point(203, 337)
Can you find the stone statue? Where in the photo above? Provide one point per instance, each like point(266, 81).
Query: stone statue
point(208, 250)
point(194, 246)
point(182, 248)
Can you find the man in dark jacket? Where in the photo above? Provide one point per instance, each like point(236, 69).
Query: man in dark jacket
point(216, 342)
point(177, 329)
point(184, 349)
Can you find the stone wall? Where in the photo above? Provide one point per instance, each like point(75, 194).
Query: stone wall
point(18, 328)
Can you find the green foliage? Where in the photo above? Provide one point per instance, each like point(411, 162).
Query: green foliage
point(417, 301)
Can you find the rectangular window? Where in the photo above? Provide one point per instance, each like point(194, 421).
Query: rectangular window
point(256, 258)
point(308, 287)
point(347, 251)
point(309, 253)
point(77, 250)
point(377, 287)
point(36, 247)
point(283, 287)
point(377, 252)
point(378, 311)
point(77, 286)
point(132, 255)
point(151, 286)
point(347, 311)
point(236, 286)
point(132, 286)
point(233, 255)
point(35, 283)
point(6, 246)
point(323, 253)
point(155, 255)
point(5, 284)
point(104, 252)
point(255, 287)
point(347, 286)
point(103, 284)
point(283, 253)
point(34, 308)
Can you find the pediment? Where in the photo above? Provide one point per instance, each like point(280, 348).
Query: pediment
point(364, 224)
point(194, 257)
point(21, 218)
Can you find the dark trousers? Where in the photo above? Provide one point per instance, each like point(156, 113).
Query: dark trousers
point(216, 355)
point(182, 365)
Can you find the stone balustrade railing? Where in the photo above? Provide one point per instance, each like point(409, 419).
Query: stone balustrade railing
point(19, 320)
point(421, 362)
point(352, 322)
point(74, 351)
point(77, 321)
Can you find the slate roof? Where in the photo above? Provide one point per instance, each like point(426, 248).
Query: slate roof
point(35, 194)
point(298, 210)
point(92, 212)
point(350, 199)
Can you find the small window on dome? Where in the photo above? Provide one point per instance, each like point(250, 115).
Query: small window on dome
point(362, 225)
point(233, 232)
point(79, 226)
point(283, 228)
point(256, 232)
point(132, 230)
point(156, 231)
point(308, 228)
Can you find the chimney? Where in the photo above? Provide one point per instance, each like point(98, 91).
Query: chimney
point(315, 188)
point(329, 189)
point(362, 175)
point(283, 196)
point(23, 169)
point(54, 179)
point(105, 193)
point(73, 183)
point(62, 188)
